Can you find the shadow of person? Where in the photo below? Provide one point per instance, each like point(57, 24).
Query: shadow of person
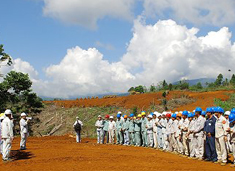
point(21, 155)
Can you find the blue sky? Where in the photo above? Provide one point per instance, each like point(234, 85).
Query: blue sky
point(41, 39)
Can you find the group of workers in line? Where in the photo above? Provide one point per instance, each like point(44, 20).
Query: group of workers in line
point(204, 135)
point(7, 135)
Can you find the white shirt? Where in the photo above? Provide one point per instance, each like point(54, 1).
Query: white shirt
point(185, 125)
point(99, 124)
point(169, 127)
point(199, 126)
point(112, 125)
point(154, 125)
point(220, 127)
point(191, 128)
point(23, 126)
point(149, 126)
point(7, 128)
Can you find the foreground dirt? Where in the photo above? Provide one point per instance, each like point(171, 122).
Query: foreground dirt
point(63, 154)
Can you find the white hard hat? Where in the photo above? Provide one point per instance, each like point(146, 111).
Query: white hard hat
point(77, 117)
point(8, 112)
point(176, 113)
point(119, 112)
point(227, 113)
point(23, 114)
point(155, 113)
point(150, 116)
point(164, 113)
point(99, 116)
point(111, 117)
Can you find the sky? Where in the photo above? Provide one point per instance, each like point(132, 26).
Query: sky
point(77, 48)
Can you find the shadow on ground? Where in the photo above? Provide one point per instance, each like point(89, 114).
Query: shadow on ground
point(21, 155)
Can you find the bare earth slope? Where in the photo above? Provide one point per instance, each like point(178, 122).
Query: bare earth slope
point(63, 154)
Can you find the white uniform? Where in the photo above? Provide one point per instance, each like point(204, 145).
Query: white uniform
point(228, 143)
point(164, 135)
point(149, 127)
point(184, 130)
point(191, 138)
point(99, 130)
point(232, 140)
point(155, 132)
point(175, 129)
point(178, 134)
point(199, 136)
point(170, 133)
point(24, 133)
point(112, 127)
point(220, 133)
point(7, 137)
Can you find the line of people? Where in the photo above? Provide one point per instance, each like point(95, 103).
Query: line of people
point(203, 135)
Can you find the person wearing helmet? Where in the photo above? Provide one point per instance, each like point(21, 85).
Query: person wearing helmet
point(125, 129)
point(159, 131)
point(112, 128)
point(173, 134)
point(209, 130)
point(155, 120)
point(1, 119)
point(228, 144)
point(137, 129)
point(23, 131)
point(221, 136)
point(78, 127)
point(7, 135)
point(99, 129)
point(163, 123)
point(231, 131)
point(143, 129)
point(168, 132)
point(132, 130)
point(190, 137)
point(149, 127)
point(119, 132)
point(178, 133)
point(184, 130)
point(106, 129)
point(198, 133)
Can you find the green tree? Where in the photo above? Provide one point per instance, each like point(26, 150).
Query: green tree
point(219, 80)
point(199, 86)
point(152, 88)
point(139, 89)
point(170, 86)
point(232, 81)
point(131, 89)
point(4, 56)
point(164, 85)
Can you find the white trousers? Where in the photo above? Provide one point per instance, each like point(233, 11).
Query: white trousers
point(233, 150)
point(150, 139)
point(199, 146)
point(179, 145)
point(165, 141)
point(185, 145)
point(6, 148)
point(100, 136)
point(23, 140)
point(111, 136)
point(192, 146)
point(220, 147)
point(126, 138)
point(155, 139)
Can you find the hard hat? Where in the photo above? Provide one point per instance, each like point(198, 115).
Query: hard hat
point(125, 116)
point(119, 112)
point(164, 113)
point(227, 113)
point(231, 117)
point(151, 113)
point(106, 116)
point(132, 115)
point(168, 115)
point(143, 113)
point(203, 113)
point(99, 116)
point(23, 114)
point(111, 117)
point(155, 113)
point(150, 116)
point(179, 114)
point(198, 109)
point(219, 109)
point(8, 112)
point(209, 110)
point(185, 113)
point(213, 109)
point(190, 115)
point(174, 115)
point(139, 116)
point(176, 112)
point(118, 115)
point(77, 117)
point(233, 110)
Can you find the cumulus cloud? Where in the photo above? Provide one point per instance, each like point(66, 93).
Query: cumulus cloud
point(210, 12)
point(87, 13)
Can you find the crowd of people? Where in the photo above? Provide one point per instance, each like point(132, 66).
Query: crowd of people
point(203, 135)
point(7, 135)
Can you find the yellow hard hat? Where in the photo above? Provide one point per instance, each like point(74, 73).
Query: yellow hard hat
point(139, 116)
point(134, 117)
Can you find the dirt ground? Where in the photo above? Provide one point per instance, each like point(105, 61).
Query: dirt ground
point(63, 154)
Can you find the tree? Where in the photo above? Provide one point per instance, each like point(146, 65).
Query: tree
point(232, 81)
point(170, 86)
point(164, 85)
point(131, 89)
point(152, 88)
point(219, 80)
point(4, 56)
point(139, 89)
point(199, 86)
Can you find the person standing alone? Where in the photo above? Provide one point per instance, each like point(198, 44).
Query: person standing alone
point(78, 127)
point(23, 131)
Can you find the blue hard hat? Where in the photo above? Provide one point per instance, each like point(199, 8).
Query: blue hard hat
point(213, 109)
point(203, 113)
point(190, 115)
point(219, 110)
point(233, 110)
point(185, 113)
point(118, 115)
point(193, 114)
point(231, 117)
point(209, 110)
point(151, 113)
point(198, 109)
point(132, 115)
point(174, 115)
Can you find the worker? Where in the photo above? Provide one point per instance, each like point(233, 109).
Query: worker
point(168, 131)
point(163, 123)
point(155, 120)
point(143, 129)
point(138, 124)
point(209, 129)
point(99, 129)
point(119, 135)
point(220, 136)
point(111, 129)
point(106, 129)
point(23, 131)
point(132, 130)
point(190, 136)
point(231, 131)
point(199, 134)
point(184, 130)
point(7, 135)
point(1, 119)
point(228, 144)
point(178, 133)
point(149, 127)
point(78, 128)
point(175, 128)
point(125, 129)
point(159, 131)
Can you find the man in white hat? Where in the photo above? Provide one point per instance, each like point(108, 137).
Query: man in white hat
point(78, 127)
point(111, 129)
point(1, 119)
point(7, 135)
point(228, 143)
point(23, 131)
point(99, 129)
point(149, 127)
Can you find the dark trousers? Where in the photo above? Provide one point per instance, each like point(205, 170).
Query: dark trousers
point(210, 148)
point(106, 133)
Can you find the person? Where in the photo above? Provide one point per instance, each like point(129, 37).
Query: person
point(155, 120)
point(209, 129)
point(99, 129)
point(112, 129)
point(178, 133)
point(184, 130)
point(78, 128)
point(228, 144)
point(168, 132)
point(199, 134)
point(132, 130)
point(143, 129)
point(231, 131)
point(125, 129)
point(159, 131)
point(220, 136)
point(149, 127)
point(1, 119)
point(163, 123)
point(23, 131)
point(175, 128)
point(7, 135)
point(119, 135)
point(106, 129)
point(190, 136)
point(138, 123)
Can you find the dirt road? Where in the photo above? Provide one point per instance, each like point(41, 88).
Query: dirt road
point(63, 154)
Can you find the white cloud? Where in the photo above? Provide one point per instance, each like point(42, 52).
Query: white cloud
point(87, 13)
point(103, 45)
point(210, 12)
